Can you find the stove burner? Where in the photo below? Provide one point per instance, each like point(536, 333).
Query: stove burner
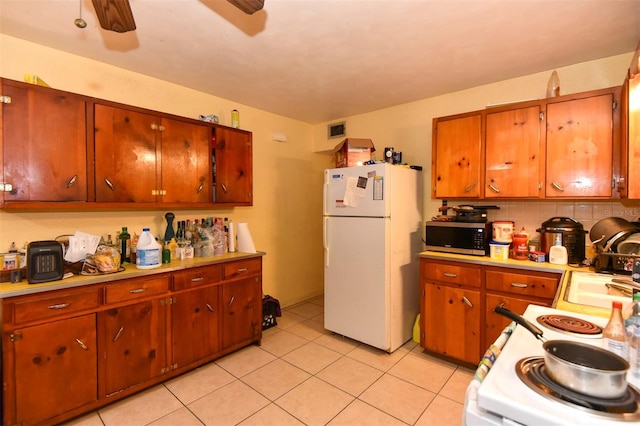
point(532, 373)
point(570, 325)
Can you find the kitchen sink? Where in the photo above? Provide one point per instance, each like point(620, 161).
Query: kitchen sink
point(598, 290)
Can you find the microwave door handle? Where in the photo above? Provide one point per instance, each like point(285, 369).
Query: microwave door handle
point(325, 241)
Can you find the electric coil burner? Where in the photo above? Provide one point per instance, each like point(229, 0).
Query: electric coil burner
point(570, 325)
point(532, 373)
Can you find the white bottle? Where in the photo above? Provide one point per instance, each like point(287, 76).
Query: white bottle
point(558, 253)
point(149, 252)
point(634, 352)
point(232, 237)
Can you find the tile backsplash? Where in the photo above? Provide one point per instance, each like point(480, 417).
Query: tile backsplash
point(531, 214)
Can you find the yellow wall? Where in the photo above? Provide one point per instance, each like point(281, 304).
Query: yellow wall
point(285, 220)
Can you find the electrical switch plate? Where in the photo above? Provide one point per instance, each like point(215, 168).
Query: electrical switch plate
point(278, 137)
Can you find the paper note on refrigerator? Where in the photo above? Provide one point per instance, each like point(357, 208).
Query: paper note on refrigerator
point(355, 190)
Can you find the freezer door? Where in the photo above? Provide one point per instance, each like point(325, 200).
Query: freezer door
point(357, 191)
point(356, 281)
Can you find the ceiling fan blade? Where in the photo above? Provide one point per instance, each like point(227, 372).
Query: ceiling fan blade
point(115, 15)
point(248, 6)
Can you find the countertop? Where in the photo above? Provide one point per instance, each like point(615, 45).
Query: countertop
point(529, 265)
point(8, 289)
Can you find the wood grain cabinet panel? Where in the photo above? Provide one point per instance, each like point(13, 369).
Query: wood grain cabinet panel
point(513, 154)
point(580, 147)
point(457, 157)
point(49, 370)
point(44, 144)
point(232, 151)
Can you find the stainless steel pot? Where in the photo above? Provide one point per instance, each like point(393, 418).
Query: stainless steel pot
point(586, 369)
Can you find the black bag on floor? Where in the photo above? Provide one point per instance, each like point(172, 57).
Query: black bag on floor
point(270, 310)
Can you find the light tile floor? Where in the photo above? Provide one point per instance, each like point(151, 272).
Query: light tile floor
point(302, 375)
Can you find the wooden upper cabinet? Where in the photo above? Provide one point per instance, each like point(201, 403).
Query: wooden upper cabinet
point(186, 162)
point(44, 145)
point(457, 157)
point(633, 152)
point(513, 153)
point(233, 166)
point(580, 147)
point(145, 158)
point(125, 149)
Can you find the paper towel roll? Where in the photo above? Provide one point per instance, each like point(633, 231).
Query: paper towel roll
point(245, 242)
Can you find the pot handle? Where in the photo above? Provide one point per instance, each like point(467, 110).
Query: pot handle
point(501, 310)
point(560, 218)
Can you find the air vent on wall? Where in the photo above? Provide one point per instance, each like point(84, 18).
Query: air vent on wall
point(336, 130)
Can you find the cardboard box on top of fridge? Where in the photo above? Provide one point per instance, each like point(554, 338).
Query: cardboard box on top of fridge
point(353, 152)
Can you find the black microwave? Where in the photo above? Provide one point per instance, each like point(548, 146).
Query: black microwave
point(458, 237)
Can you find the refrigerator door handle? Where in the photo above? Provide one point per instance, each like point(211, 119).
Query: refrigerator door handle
point(325, 191)
point(325, 242)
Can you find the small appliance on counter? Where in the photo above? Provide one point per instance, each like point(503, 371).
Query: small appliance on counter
point(571, 233)
point(458, 237)
point(45, 261)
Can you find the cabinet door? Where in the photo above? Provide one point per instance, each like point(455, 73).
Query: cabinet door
point(451, 321)
point(241, 312)
point(233, 166)
point(125, 153)
point(494, 323)
point(457, 157)
point(55, 370)
point(633, 110)
point(186, 162)
point(580, 147)
point(513, 153)
point(195, 320)
point(133, 343)
point(44, 144)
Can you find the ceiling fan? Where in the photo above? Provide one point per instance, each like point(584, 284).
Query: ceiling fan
point(116, 15)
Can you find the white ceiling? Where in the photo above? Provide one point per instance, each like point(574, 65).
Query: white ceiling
point(320, 60)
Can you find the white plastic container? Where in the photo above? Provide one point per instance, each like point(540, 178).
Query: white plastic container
point(558, 253)
point(499, 250)
point(149, 252)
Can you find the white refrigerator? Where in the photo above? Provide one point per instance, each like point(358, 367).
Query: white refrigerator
point(372, 236)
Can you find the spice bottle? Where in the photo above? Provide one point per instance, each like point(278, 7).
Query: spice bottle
point(614, 335)
point(634, 352)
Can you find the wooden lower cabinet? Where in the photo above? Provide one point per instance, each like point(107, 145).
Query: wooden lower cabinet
point(241, 312)
point(133, 339)
point(458, 299)
point(452, 322)
point(67, 352)
point(195, 325)
point(49, 370)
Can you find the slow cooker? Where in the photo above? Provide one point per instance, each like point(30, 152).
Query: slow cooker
point(572, 235)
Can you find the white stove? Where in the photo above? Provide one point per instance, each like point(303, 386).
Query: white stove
point(503, 398)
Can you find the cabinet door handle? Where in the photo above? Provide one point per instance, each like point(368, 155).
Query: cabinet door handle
point(59, 306)
point(231, 300)
point(201, 186)
point(450, 275)
point(82, 345)
point(557, 186)
point(519, 285)
point(109, 184)
point(72, 181)
point(224, 188)
point(493, 188)
point(196, 279)
point(209, 307)
point(467, 301)
point(470, 187)
point(240, 270)
point(137, 290)
point(118, 334)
